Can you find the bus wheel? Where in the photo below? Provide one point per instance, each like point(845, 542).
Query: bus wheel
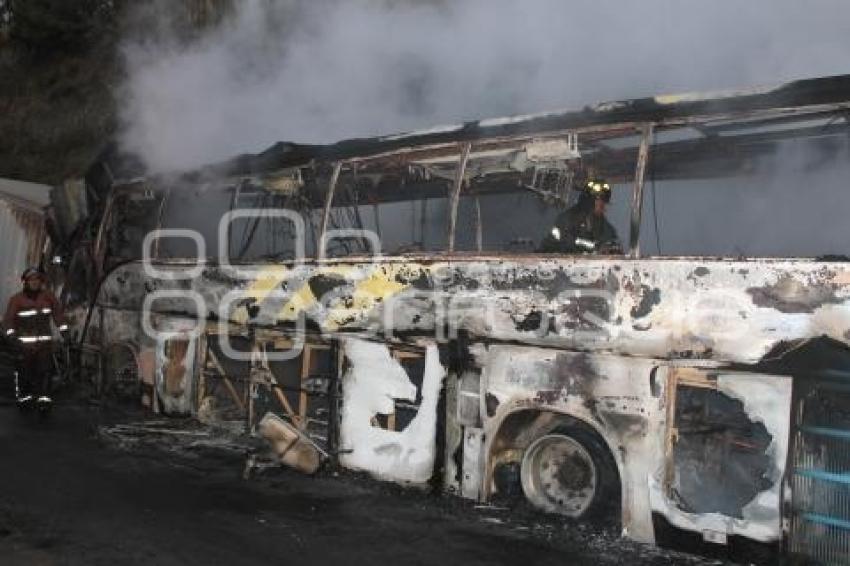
point(568, 472)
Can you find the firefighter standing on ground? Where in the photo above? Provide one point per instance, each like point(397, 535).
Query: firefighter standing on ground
point(583, 227)
point(27, 321)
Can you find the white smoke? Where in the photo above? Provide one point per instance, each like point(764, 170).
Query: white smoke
point(322, 70)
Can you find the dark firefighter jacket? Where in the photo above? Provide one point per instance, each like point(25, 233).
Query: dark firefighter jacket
point(579, 222)
point(28, 318)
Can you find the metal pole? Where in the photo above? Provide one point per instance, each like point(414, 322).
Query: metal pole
point(333, 403)
point(423, 210)
point(162, 204)
point(234, 200)
point(479, 234)
point(326, 214)
point(455, 198)
point(637, 193)
point(105, 219)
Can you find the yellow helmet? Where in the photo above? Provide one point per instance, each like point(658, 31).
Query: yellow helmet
point(598, 188)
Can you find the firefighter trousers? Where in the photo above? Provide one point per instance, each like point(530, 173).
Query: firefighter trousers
point(34, 373)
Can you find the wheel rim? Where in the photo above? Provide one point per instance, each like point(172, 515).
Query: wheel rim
point(558, 475)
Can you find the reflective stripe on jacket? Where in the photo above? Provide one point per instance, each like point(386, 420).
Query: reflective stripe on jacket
point(28, 316)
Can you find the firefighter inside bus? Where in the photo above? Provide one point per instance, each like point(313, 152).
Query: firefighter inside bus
point(27, 322)
point(583, 228)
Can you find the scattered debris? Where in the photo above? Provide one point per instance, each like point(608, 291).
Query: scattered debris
point(181, 436)
point(291, 447)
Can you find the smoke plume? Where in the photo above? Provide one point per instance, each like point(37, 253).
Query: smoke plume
point(321, 70)
point(316, 71)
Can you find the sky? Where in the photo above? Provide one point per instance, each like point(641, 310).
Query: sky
point(324, 70)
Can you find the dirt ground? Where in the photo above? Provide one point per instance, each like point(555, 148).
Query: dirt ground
point(71, 494)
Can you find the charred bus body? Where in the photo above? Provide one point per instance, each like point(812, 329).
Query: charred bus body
point(384, 297)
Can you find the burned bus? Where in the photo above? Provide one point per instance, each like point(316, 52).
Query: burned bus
point(389, 300)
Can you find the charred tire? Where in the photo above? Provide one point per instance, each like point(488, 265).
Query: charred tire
point(569, 471)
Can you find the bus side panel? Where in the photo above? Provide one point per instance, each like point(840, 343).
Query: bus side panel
point(621, 399)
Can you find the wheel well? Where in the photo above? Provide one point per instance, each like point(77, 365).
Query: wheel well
point(520, 428)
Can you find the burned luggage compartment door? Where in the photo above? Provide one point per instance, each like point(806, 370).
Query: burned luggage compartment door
point(300, 389)
point(388, 425)
point(223, 382)
point(726, 451)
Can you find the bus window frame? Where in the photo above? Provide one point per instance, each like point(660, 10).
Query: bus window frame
point(645, 130)
point(463, 152)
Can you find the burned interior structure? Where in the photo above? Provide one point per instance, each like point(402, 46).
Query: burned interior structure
point(380, 305)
